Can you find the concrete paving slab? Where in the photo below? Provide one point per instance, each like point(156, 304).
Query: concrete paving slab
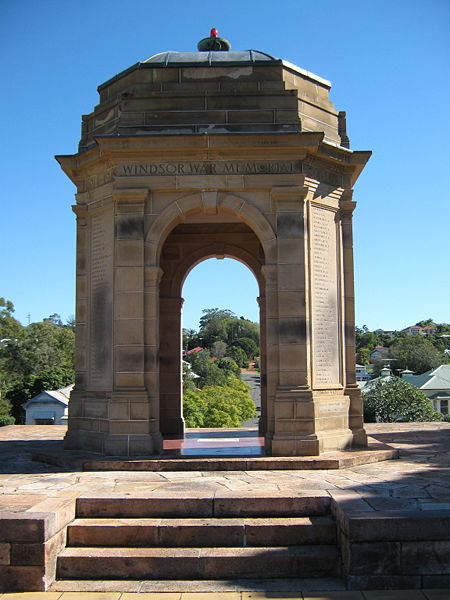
point(394, 595)
point(211, 596)
point(152, 596)
point(31, 596)
point(437, 594)
point(273, 595)
point(347, 595)
point(91, 596)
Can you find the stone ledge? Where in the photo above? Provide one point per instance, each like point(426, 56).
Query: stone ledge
point(31, 541)
point(397, 525)
point(376, 452)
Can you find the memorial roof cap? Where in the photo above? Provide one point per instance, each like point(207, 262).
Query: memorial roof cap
point(212, 57)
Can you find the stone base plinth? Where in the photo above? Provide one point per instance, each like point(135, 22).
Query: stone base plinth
point(114, 444)
point(308, 423)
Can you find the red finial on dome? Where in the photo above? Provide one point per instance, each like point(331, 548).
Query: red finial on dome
point(213, 42)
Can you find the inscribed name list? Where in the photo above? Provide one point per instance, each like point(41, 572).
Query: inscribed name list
point(100, 340)
point(325, 298)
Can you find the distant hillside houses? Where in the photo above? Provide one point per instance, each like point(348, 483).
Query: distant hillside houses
point(417, 329)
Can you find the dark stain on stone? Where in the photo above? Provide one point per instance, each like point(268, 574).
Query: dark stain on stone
point(130, 228)
point(290, 225)
point(292, 330)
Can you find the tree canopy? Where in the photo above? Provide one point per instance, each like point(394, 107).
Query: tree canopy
point(219, 406)
point(418, 352)
point(34, 358)
point(392, 399)
point(223, 334)
point(217, 397)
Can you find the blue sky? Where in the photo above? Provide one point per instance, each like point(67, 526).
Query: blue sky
point(389, 65)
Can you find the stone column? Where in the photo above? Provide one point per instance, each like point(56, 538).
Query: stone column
point(131, 428)
point(269, 272)
point(352, 390)
point(171, 382)
point(71, 439)
point(262, 365)
point(152, 278)
point(293, 408)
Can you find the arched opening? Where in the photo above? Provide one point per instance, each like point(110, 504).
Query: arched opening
point(189, 244)
point(220, 330)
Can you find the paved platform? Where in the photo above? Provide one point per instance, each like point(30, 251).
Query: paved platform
point(233, 595)
point(237, 449)
point(418, 481)
point(245, 595)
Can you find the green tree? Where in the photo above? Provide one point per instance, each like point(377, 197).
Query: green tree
point(10, 331)
point(10, 328)
point(54, 319)
point(389, 400)
point(189, 378)
point(219, 406)
point(426, 323)
point(208, 371)
point(214, 326)
point(190, 339)
point(229, 367)
point(249, 346)
point(417, 353)
point(219, 349)
point(5, 413)
point(363, 356)
point(222, 325)
point(41, 357)
point(239, 356)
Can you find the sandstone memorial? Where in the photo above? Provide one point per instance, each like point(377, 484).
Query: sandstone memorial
point(214, 153)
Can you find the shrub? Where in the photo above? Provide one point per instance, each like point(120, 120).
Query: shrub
point(388, 400)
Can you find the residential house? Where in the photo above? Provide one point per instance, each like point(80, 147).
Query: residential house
point(435, 384)
point(362, 373)
point(388, 332)
point(378, 353)
point(417, 329)
point(48, 408)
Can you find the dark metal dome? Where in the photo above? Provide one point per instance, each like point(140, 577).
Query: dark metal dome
point(243, 57)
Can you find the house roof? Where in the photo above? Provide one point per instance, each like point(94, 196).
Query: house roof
point(62, 395)
point(194, 350)
point(435, 379)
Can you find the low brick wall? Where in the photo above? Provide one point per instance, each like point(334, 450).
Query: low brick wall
point(395, 549)
point(30, 543)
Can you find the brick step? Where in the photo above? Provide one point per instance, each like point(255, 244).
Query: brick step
point(285, 531)
point(198, 563)
point(218, 505)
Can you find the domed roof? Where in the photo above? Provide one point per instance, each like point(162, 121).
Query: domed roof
point(243, 57)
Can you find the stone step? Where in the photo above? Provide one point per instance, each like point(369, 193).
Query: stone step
point(270, 504)
point(210, 589)
point(198, 563)
point(285, 531)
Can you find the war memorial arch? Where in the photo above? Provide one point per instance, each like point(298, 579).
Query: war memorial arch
point(191, 155)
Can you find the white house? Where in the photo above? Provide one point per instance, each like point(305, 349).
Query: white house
point(361, 373)
point(48, 408)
